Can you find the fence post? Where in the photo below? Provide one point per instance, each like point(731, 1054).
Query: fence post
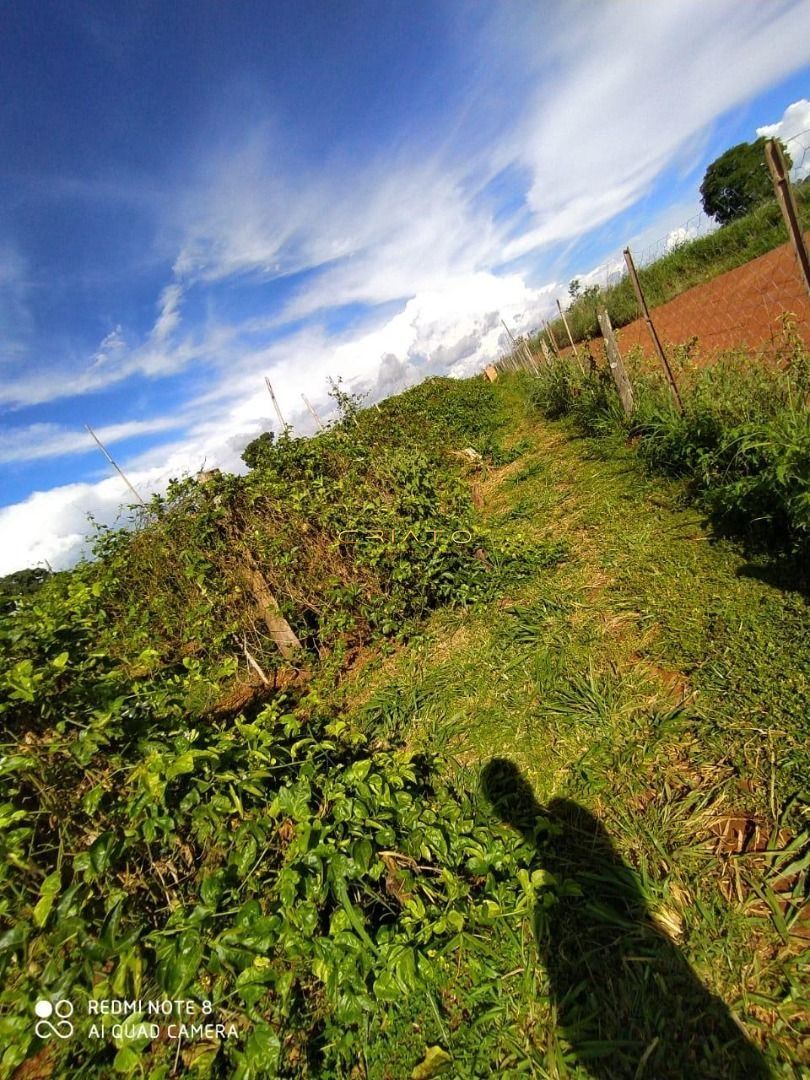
point(645, 311)
point(313, 414)
point(546, 351)
point(552, 339)
point(617, 368)
point(530, 360)
point(275, 406)
point(570, 338)
point(787, 204)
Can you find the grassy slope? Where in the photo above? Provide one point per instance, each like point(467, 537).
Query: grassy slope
point(655, 678)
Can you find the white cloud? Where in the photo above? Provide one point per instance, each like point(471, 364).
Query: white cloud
point(110, 347)
point(456, 328)
point(619, 117)
point(595, 127)
point(794, 130)
point(37, 441)
point(169, 313)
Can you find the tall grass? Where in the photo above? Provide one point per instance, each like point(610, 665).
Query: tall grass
point(687, 265)
point(742, 441)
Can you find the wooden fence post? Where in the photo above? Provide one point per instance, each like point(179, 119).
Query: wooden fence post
point(552, 339)
point(277, 626)
point(645, 311)
point(570, 338)
point(617, 368)
point(787, 204)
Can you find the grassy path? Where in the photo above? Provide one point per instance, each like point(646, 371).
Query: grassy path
point(660, 682)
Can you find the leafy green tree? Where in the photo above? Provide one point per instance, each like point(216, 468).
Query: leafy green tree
point(737, 181)
point(257, 450)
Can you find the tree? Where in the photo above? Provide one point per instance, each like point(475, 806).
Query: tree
point(255, 451)
point(737, 181)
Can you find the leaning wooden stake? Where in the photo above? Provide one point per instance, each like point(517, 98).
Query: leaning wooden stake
point(275, 405)
point(570, 337)
point(645, 311)
point(552, 339)
point(530, 360)
point(117, 467)
point(617, 368)
point(277, 626)
point(315, 416)
point(787, 204)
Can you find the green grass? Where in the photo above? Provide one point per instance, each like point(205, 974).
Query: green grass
point(497, 831)
point(656, 679)
point(688, 265)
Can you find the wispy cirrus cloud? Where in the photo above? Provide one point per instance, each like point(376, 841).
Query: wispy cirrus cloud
point(384, 264)
point(34, 442)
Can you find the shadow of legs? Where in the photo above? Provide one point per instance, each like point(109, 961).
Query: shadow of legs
point(627, 1001)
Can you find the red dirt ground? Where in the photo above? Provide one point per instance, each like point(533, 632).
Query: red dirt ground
point(739, 308)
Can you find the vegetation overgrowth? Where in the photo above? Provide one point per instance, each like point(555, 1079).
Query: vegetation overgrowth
point(165, 835)
point(687, 265)
point(318, 857)
point(742, 440)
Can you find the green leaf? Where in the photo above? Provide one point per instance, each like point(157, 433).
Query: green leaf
point(184, 763)
point(435, 1062)
point(101, 852)
point(47, 894)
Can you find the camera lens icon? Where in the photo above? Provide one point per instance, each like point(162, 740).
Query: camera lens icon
point(44, 1010)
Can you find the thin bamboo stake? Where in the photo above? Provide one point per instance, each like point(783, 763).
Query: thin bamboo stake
point(117, 467)
point(570, 338)
point(313, 413)
point(552, 339)
point(275, 405)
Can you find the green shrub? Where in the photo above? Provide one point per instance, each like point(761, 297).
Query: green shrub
point(280, 867)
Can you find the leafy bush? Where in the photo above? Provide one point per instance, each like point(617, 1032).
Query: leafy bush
point(160, 840)
point(278, 867)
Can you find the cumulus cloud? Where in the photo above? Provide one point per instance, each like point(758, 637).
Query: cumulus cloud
point(794, 130)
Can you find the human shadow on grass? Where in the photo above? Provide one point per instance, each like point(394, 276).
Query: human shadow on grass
point(627, 1001)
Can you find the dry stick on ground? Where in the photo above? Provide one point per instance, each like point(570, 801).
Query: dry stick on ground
point(645, 311)
point(787, 204)
point(570, 338)
point(617, 368)
point(314, 415)
point(275, 406)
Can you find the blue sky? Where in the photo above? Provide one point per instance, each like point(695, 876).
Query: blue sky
point(193, 196)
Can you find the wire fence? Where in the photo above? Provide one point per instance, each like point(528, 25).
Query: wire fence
point(709, 285)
